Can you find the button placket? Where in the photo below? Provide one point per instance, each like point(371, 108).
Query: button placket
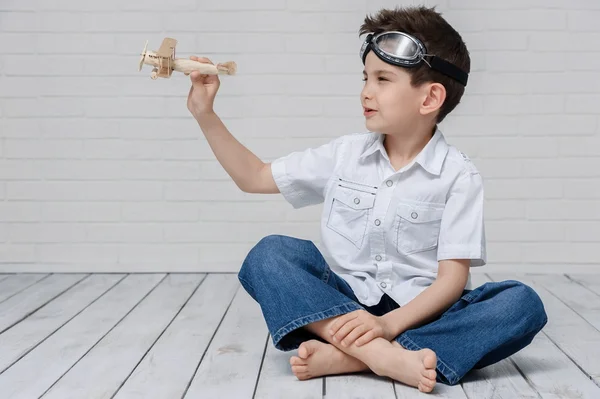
point(383, 273)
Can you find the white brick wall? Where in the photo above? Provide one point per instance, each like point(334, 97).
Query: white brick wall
point(102, 168)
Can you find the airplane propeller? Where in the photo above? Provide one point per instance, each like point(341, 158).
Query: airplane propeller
point(143, 56)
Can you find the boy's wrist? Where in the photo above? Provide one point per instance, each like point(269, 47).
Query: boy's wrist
point(205, 115)
point(392, 323)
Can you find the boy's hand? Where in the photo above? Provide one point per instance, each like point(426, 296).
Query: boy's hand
point(360, 326)
point(203, 91)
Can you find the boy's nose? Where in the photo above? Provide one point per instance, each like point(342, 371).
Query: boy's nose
point(364, 94)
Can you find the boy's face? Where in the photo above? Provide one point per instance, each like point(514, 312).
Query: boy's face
point(387, 90)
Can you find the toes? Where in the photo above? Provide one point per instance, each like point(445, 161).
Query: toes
point(303, 376)
point(308, 348)
point(299, 369)
point(296, 361)
point(428, 383)
point(429, 374)
point(301, 372)
point(424, 387)
point(429, 359)
point(303, 351)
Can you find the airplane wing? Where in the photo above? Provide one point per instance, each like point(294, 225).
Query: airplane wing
point(167, 47)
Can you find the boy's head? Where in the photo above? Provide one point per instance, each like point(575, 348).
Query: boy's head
point(405, 96)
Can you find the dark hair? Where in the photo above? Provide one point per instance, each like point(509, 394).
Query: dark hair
point(439, 38)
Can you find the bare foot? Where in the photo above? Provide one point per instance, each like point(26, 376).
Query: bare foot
point(414, 368)
point(317, 358)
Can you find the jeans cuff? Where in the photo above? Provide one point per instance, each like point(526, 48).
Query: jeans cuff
point(304, 320)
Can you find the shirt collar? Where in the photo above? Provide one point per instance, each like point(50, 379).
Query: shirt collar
point(430, 158)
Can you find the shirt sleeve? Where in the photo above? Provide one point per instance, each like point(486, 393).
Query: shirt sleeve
point(303, 175)
point(462, 231)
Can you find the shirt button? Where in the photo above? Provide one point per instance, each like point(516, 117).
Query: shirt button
point(377, 222)
point(414, 215)
point(356, 201)
point(389, 183)
point(383, 285)
point(378, 257)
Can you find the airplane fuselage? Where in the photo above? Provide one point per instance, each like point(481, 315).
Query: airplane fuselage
point(162, 66)
point(152, 59)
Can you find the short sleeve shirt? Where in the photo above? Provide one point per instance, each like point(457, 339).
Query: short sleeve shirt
point(382, 230)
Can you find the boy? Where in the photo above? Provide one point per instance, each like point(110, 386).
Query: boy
point(402, 224)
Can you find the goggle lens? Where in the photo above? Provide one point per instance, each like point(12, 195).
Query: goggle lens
point(397, 45)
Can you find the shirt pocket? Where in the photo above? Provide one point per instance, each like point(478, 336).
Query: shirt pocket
point(349, 214)
point(417, 227)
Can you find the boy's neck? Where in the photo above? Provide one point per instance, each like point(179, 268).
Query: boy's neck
point(403, 148)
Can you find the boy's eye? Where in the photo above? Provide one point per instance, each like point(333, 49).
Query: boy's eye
point(380, 78)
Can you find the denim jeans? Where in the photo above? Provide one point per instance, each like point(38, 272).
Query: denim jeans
point(294, 286)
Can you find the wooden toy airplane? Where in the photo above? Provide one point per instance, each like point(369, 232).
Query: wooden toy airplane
point(164, 62)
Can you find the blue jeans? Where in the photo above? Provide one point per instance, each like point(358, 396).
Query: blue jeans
point(294, 286)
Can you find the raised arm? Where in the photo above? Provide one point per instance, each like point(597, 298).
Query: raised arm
point(248, 172)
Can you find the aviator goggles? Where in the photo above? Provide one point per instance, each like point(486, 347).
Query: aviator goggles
point(404, 50)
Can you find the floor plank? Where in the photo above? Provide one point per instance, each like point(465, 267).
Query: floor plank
point(167, 369)
point(573, 335)
point(232, 363)
point(13, 284)
point(439, 391)
point(359, 385)
point(277, 380)
point(500, 380)
point(577, 297)
point(552, 373)
point(20, 339)
point(40, 368)
point(590, 281)
point(35, 296)
point(104, 368)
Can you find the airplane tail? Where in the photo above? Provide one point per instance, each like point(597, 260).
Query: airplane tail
point(229, 68)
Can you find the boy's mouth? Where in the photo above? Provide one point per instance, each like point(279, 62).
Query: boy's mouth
point(368, 111)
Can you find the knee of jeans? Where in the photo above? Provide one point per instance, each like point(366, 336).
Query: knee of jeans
point(526, 299)
point(257, 260)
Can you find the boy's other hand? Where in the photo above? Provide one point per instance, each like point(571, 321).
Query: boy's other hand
point(203, 91)
point(360, 326)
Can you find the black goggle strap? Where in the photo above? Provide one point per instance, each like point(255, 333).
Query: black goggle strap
point(366, 46)
point(449, 69)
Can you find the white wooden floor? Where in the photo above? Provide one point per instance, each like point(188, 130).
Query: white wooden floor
point(201, 336)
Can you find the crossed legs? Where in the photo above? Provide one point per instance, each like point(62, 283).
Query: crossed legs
point(389, 359)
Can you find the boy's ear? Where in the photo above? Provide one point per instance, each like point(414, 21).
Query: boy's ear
point(434, 96)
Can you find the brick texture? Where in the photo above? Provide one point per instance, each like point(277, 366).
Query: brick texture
point(103, 169)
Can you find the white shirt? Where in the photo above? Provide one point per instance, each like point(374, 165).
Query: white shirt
point(385, 230)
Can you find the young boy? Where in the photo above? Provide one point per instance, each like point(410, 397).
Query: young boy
point(402, 224)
